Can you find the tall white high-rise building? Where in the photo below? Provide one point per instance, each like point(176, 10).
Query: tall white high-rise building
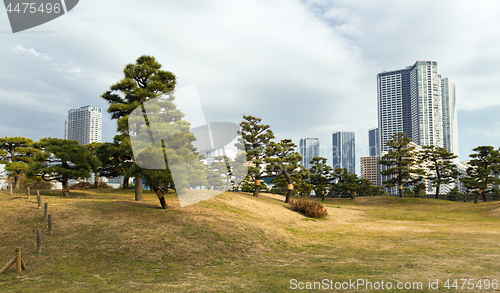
point(450, 130)
point(84, 125)
point(3, 177)
point(66, 129)
point(427, 104)
point(308, 148)
point(418, 102)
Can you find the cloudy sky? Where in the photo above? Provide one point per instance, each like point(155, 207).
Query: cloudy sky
point(307, 68)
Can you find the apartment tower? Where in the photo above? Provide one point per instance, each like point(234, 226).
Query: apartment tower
point(84, 125)
point(450, 130)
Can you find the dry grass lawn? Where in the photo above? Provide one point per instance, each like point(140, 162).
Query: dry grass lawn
point(104, 241)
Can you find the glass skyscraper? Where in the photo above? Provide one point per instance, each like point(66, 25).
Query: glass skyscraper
point(373, 141)
point(343, 150)
point(308, 148)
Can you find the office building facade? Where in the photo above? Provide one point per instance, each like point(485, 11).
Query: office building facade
point(370, 169)
point(84, 125)
point(343, 150)
point(394, 104)
point(308, 148)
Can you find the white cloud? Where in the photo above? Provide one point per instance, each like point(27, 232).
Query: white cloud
point(31, 51)
point(493, 132)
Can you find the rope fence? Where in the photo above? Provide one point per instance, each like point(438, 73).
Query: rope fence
point(18, 260)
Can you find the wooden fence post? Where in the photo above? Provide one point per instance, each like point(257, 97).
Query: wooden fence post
point(39, 199)
point(46, 213)
point(23, 265)
point(8, 265)
point(39, 241)
point(50, 224)
point(18, 259)
point(11, 189)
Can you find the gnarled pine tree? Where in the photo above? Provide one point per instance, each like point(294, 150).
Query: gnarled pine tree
point(143, 81)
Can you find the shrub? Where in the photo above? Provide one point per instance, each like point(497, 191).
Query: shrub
point(308, 207)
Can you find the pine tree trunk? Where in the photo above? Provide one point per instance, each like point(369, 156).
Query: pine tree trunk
point(138, 188)
point(161, 198)
point(17, 182)
point(476, 197)
point(257, 187)
point(65, 187)
point(256, 191)
point(288, 195)
point(290, 186)
point(484, 196)
point(400, 191)
point(322, 195)
point(96, 180)
point(125, 182)
point(437, 192)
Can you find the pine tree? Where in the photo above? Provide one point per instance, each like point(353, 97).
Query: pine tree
point(143, 81)
point(282, 159)
point(440, 161)
point(484, 164)
point(116, 159)
point(301, 186)
point(401, 163)
point(17, 154)
point(347, 182)
point(256, 137)
point(62, 160)
point(320, 175)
